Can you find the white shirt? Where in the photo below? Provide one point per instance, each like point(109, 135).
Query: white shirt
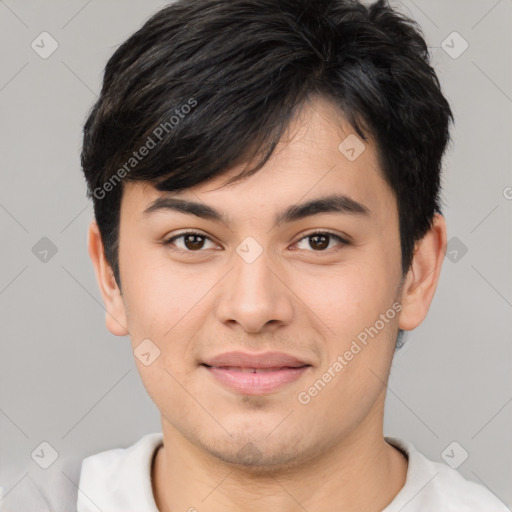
point(119, 480)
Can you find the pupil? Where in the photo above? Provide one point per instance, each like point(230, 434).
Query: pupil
point(193, 245)
point(315, 239)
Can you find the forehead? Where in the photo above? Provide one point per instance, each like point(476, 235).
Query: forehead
point(319, 155)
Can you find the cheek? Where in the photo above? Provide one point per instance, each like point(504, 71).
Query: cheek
point(359, 343)
point(345, 299)
point(157, 293)
point(350, 302)
point(168, 304)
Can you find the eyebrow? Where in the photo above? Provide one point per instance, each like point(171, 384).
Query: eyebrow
point(336, 203)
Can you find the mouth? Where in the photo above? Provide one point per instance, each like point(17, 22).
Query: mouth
point(253, 370)
point(255, 374)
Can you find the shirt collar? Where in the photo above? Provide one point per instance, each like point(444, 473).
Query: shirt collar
point(119, 480)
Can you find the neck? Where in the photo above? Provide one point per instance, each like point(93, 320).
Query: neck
point(360, 472)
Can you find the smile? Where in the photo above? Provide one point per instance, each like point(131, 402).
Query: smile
point(255, 381)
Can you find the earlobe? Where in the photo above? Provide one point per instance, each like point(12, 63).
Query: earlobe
point(421, 280)
point(115, 315)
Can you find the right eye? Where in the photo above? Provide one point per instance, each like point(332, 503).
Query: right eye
point(191, 241)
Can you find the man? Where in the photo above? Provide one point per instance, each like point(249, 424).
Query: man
point(265, 177)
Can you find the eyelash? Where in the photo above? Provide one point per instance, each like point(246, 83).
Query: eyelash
point(170, 241)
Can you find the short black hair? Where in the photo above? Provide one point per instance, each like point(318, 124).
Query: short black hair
point(205, 85)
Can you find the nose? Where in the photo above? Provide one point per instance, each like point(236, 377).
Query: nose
point(255, 296)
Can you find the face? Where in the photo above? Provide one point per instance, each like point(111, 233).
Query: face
point(321, 288)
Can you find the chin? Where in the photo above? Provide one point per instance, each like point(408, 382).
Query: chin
point(259, 451)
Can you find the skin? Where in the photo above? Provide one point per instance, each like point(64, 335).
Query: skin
point(271, 452)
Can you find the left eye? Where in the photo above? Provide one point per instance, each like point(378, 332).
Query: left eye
point(194, 241)
point(321, 240)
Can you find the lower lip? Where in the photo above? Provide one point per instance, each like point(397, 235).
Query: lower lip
point(250, 383)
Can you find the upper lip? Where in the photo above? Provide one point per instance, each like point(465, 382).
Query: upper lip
point(261, 360)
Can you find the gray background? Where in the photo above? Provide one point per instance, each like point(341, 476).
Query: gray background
point(66, 380)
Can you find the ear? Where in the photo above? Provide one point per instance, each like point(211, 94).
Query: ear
point(115, 318)
point(421, 280)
